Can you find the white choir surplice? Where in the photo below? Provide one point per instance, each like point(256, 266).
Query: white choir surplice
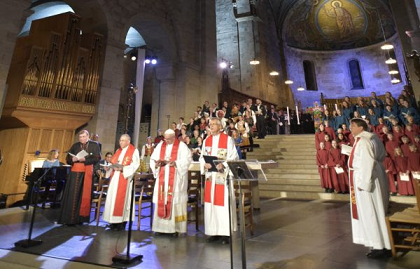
point(372, 201)
point(128, 173)
point(216, 218)
point(178, 220)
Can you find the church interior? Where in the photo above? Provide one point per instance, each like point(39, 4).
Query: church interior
point(137, 67)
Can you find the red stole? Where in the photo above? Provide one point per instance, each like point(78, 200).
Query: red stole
point(352, 192)
point(85, 205)
point(165, 211)
point(122, 183)
point(219, 189)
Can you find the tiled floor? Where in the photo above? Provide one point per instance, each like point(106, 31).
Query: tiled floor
point(288, 234)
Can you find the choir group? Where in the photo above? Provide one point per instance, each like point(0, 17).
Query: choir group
point(395, 122)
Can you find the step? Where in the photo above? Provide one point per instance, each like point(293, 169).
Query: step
point(299, 166)
point(292, 181)
point(291, 161)
point(282, 169)
point(285, 187)
point(289, 176)
point(305, 195)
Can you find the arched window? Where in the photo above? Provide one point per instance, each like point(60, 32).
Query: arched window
point(310, 76)
point(355, 75)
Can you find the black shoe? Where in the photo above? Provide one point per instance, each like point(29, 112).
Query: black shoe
point(379, 254)
point(212, 239)
point(175, 234)
point(225, 240)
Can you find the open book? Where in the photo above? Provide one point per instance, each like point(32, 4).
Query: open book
point(112, 165)
point(79, 155)
point(346, 150)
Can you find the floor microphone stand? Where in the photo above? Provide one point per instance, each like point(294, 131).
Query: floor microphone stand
point(129, 258)
point(230, 221)
point(29, 242)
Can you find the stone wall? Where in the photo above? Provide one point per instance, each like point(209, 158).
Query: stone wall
point(332, 72)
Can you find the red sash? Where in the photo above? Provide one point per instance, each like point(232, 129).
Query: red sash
point(165, 211)
point(352, 192)
point(219, 189)
point(122, 183)
point(87, 187)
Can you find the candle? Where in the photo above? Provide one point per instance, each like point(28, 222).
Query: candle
point(336, 107)
point(297, 114)
point(288, 116)
point(325, 107)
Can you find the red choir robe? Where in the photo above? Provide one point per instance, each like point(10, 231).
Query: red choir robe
point(378, 129)
point(397, 136)
point(330, 132)
point(346, 134)
point(384, 138)
point(405, 149)
point(416, 128)
point(351, 140)
point(324, 173)
point(410, 135)
point(404, 187)
point(390, 148)
point(327, 145)
point(414, 162)
point(372, 128)
point(319, 137)
point(390, 167)
point(340, 181)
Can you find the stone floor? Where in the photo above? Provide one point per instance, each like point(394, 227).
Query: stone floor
point(288, 234)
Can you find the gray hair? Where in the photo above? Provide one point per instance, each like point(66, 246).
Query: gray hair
point(126, 136)
point(217, 119)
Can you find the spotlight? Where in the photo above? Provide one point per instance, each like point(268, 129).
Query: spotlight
point(154, 61)
point(393, 72)
point(274, 73)
point(125, 56)
point(231, 66)
point(300, 89)
point(254, 62)
point(395, 81)
point(147, 61)
point(223, 65)
point(288, 82)
point(387, 46)
point(133, 57)
point(390, 61)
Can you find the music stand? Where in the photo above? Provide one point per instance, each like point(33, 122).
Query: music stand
point(241, 172)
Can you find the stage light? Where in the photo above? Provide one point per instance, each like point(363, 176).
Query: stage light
point(133, 57)
point(154, 61)
point(393, 72)
point(395, 81)
point(274, 73)
point(387, 46)
point(390, 61)
point(147, 61)
point(288, 82)
point(254, 62)
point(300, 89)
point(223, 65)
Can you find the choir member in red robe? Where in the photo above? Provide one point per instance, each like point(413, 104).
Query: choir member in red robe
point(410, 121)
point(417, 141)
point(390, 145)
point(405, 145)
point(410, 133)
point(401, 164)
point(336, 159)
point(351, 140)
point(370, 125)
point(324, 173)
point(414, 160)
point(398, 133)
point(341, 139)
point(379, 127)
point(346, 131)
point(320, 135)
point(329, 130)
point(327, 142)
point(390, 173)
point(384, 134)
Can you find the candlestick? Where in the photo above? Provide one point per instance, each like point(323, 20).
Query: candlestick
point(288, 116)
point(336, 107)
point(297, 114)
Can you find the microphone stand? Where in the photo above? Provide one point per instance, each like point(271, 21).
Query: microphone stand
point(29, 242)
point(128, 258)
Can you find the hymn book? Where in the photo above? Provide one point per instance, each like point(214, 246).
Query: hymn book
point(339, 170)
point(404, 177)
point(346, 150)
point(79, 155)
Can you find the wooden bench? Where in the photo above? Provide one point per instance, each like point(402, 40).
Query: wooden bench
point(404, 227)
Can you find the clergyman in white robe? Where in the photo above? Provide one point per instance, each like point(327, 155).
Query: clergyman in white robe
point(177, 222)
point(371, 192)
point(216, 217)
point(128, 173)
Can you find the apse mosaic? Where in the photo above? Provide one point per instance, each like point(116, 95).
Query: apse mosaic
point(337, 24)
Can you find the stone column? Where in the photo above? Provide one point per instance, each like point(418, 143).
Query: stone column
point(104, 122)
point(141, 56)
point(13, 14)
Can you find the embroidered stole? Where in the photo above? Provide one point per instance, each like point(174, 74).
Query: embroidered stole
point(352, 191)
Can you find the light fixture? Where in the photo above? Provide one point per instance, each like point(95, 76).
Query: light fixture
point(133, 57)
point(274, 73)
point(147, 61)
point(254, 62)
point(390, 61)
point(395, 81)
point(150, 60)
point(125, 56)
point(387, 46)
point(154, 60)
point(300, 89)
point(223, 64)
point(288, 82)
point(393, 72)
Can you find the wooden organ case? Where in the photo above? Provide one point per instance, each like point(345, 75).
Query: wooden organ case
point(53, 89)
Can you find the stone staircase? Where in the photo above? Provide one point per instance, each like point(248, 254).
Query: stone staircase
point(297, 175)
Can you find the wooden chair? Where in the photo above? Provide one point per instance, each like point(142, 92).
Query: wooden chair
point(194, 195)
point(144, 187)
point(247, 204)
point(404, 227)
point(100, 190)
